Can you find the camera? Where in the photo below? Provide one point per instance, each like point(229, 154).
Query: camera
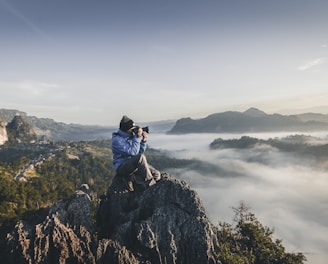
point(146, 129)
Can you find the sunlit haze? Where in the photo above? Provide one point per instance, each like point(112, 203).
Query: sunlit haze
point(90, 62)
point(286, 192)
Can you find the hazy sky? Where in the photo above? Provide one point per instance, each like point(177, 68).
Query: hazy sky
point(90, 62)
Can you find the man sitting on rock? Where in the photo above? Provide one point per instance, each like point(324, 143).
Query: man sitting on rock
point(128, 146)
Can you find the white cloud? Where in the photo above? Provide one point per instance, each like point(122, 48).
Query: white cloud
point(31, 90)
point(36, 88)
point(312, 63)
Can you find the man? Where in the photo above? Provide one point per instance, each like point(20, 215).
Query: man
point(128, 145)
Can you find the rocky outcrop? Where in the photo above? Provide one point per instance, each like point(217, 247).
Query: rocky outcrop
point(165, 223)
point(64, 234)
point(20, 131)
point(3, 131)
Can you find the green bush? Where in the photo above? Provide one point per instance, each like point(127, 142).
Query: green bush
point(248, 241)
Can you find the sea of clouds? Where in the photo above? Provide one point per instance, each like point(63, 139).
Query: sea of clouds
point(286, 192)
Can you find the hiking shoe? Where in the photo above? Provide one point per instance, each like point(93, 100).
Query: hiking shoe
point(152, 182)
point(157, 177)
point(156, 174)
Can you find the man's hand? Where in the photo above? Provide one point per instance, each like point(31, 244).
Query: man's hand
point(144, 136)
point(139, 132)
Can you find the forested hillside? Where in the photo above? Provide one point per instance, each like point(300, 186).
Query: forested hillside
point(48, 172)
point(298, 144)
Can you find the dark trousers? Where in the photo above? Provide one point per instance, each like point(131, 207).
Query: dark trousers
point(138, 168)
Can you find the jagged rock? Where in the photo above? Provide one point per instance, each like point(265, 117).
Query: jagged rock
point(20, 131)
point(165, 223)
point(64, 234)
point(110, 251)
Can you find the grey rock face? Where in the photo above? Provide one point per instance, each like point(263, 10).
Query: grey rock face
point(165, 223)
point(3, 131)
point(64, 234)
point(20, 131)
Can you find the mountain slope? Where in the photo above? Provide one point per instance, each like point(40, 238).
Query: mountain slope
point(252, 120)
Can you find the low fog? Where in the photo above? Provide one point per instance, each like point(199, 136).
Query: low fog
point(285, 192)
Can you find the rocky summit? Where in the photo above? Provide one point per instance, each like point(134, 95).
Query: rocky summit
point(164, 223)
point(20, 131)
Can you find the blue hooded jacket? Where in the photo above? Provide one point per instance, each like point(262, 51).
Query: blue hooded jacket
point(125, 146)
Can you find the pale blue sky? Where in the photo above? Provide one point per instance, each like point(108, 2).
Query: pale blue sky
point(90, 62)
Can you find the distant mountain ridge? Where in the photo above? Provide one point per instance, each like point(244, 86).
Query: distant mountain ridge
point(49, 129)
point(251, 120)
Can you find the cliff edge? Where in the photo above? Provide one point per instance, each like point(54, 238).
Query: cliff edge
point(165, 223)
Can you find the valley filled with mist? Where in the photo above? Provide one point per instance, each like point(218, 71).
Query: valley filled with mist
point(284, 184)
